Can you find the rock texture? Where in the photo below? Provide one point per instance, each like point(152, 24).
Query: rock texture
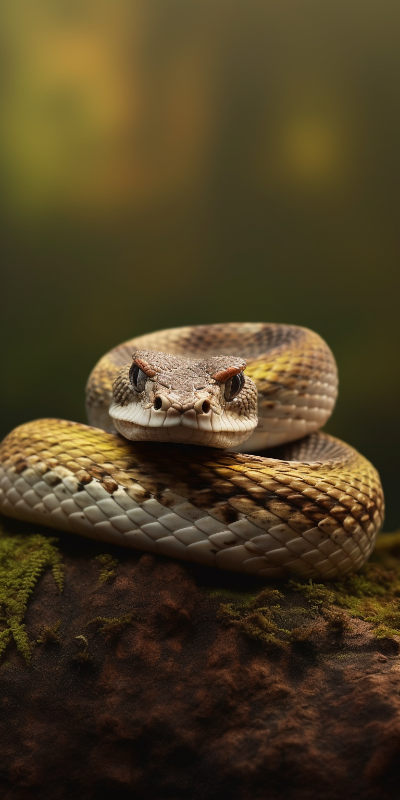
point(151, 678)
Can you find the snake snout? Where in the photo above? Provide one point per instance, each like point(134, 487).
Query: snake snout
point(163, 403)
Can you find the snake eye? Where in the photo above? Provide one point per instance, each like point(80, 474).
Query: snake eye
point(233, 386)
point(137, 378)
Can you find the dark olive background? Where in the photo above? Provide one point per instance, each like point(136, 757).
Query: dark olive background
point(189, 162)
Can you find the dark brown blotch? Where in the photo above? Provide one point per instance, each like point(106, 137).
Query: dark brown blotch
point(224, 488)
point(110, 484)
point(225, 513)
point(204, 499)
point(20, 466)
point(83, 477)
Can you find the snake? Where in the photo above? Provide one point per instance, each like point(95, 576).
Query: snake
point(213, 459)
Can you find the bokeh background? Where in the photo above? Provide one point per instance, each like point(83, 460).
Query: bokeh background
point(167, 163)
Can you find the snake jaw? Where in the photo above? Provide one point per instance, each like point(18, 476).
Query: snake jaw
point(185, 424)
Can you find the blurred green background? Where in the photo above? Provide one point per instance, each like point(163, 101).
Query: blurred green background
point(168, 163)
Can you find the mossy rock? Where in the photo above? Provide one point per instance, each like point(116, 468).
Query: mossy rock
point(23, 559)
point(133, 675)
point(262, 613)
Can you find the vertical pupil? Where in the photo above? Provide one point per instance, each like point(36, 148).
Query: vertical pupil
point(234, 385)
point(135, 375)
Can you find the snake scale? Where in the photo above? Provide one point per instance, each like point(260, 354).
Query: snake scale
point(309, 507)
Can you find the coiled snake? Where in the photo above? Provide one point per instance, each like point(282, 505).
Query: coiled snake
point(312, 508)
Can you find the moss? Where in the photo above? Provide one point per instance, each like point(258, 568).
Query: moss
point(50, 635)
point(266, 597)
point(372, 595)
point(270, 616)
point(344, 656)
point(233, 595)
point(337, 619)
point(111, 626)
point(383, 632)
point(23, 559)
point(81, 641)
point(303, 633)
point(255, 616)
point(107, 573)
point(317, 593)
point(82, 654)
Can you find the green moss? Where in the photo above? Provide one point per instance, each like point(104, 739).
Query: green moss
point(50, 635)
point(266, 598)
point(111, 625)
point(82, 655)
point(233, 595)
point(372, 595)
point(344, 656)
point(82, 642)
point(23, 559)
point(107, 573)
point(317, 593)
point(303, 633)
point(383, 632)
point(255, 616)
point(337, 619)
point(270, 616)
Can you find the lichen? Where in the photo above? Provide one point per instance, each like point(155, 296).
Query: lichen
point(23, 559)
point(109, 564)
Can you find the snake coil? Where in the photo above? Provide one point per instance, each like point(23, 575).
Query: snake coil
point(310, 507)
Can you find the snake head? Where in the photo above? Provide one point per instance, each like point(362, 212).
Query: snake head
point(168, 398)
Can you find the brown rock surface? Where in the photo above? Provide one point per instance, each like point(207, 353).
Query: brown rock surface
point(151, 678)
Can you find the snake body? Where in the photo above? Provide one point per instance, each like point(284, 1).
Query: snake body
point(310, 508)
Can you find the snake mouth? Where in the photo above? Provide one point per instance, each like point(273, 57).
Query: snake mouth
point(180, 434)
point(156, 425)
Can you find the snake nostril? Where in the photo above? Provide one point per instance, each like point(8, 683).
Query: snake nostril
point(158, 403)
point(205, 407)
